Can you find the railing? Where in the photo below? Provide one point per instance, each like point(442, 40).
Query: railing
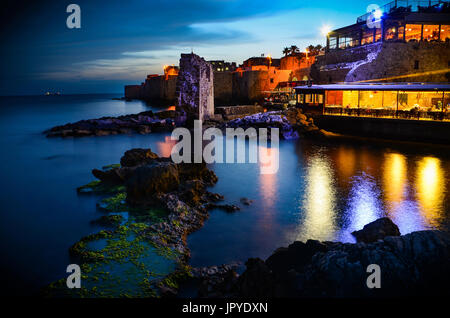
point(407, 6)
point(387, 113)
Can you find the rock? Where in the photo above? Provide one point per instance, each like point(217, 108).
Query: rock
point(137, 157)
point(296, 256)
point(191, 171)
point(416, 264)
point(229, 208)
point(257, 280)
point(377, 230)
point(214, 197)
point(108, 220)
point(111, 177)
point(265, 120)
point(192, 191)
point(150, 180)
point(167, 292)
point(246, 201)
point(142, 123)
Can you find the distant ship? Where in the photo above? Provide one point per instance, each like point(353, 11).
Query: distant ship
point(52, 94)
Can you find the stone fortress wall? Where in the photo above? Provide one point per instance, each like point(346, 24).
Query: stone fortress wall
point(385, 62)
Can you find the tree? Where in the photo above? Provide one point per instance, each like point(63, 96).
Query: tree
point(314, 50)
point(294, 49)
point(286, 51)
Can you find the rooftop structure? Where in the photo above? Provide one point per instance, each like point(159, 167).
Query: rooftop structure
point(397, 21)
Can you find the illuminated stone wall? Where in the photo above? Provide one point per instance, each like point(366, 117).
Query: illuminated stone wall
point(195, 87)
point(388, 62)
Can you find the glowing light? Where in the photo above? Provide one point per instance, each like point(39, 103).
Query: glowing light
point(430, 184)
point(377, 14)
point(325, 30)
point(394, 179)
point(165, 147)
point(319, 202)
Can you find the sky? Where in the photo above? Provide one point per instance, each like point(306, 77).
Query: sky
point(120, 42)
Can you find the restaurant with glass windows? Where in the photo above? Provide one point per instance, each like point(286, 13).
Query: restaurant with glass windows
point(396, 100)
point(397, 21)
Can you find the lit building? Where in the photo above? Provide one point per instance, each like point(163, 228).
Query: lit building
point(399, 100)
point(403, 41)
point(397, 21)
point(222, 66)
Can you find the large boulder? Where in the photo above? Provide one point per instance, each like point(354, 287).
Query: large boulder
point(257, 281)
point(197, 171)
point(137, 157)
point(148, 181)
point(416, 264)
point(377, 230)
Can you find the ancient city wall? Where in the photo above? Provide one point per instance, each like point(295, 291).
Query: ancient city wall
point(133, 91)
point(249, 86)
point(223, 88)
point(160, 90)
point(392, 62)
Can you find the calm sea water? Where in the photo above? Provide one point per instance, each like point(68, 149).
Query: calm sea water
point(321, 191)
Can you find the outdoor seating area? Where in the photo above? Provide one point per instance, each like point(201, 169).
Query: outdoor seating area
point(414, 101)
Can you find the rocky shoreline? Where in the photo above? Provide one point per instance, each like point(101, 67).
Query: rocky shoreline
point(416, 264)
point(142, 183)
point(142, 123)
point(292, 124)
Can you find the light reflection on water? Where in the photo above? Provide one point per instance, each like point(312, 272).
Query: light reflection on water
point(319, 219)
point(411, 191)
point(430, 189)
point(323, 191)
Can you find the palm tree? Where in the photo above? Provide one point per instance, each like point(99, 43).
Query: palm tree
point(286, 51)
point(294, 49)
point(311, 49)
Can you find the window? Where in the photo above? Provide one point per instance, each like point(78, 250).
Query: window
point(391, 34)
point(371, 99)
point(413, 32)
point(445, 32)
point(416, 64)
point(333, 42)
point(401, 33)
point(378, 35)
point(349, 40)
point(431, 32)
point(367, 37)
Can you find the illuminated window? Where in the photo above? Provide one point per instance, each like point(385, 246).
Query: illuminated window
point(401, 33)
point(334, 98)
point(445, 32)
point(413, 32)
point(391, 34)
point(431, 32)
point(367, 37)
point(378, 35)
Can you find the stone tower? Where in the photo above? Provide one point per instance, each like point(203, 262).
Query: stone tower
point(195, 87)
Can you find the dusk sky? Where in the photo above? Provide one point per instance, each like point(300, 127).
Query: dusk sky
point(120, 42)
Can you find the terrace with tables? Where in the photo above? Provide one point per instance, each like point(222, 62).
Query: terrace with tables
point(414, 101)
